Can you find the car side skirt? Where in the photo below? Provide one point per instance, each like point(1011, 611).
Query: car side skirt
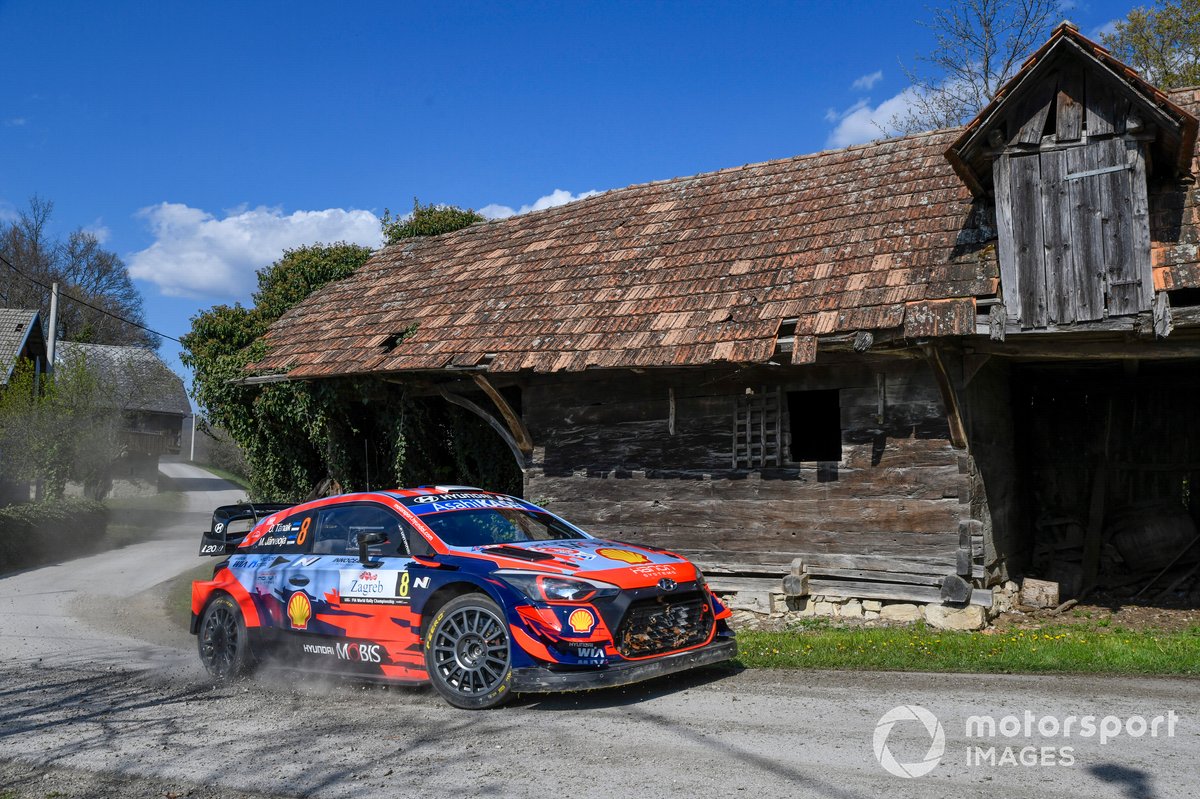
point(543, 680)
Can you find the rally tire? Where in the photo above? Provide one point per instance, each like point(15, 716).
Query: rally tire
point(468, 653)
point(223, 642)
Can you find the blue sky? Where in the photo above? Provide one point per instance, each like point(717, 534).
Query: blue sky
point(201, 139)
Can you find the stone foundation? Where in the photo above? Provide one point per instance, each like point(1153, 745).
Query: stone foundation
point(756, 607)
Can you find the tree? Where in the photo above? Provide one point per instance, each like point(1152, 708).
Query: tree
point(427, 220)
point(84, 270)
point(978, 46)
point(280, 428)
point(1162, 43)
point(60, 428)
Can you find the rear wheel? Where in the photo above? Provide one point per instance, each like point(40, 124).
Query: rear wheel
point(223, 642)
point(468, 653)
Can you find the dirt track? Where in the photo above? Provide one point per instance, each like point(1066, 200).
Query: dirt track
point(96, 680)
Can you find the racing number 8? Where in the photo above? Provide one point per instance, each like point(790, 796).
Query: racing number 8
point(403, 591)
point(303, 535)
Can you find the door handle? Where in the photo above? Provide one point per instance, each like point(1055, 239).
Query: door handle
point(298, 580)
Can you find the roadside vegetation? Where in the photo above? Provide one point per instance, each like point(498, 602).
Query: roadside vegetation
point(41, 532)
point(1076, 648)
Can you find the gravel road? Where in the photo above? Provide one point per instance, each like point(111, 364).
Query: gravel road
point(103, 696)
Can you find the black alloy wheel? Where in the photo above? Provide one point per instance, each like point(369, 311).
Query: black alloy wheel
point(223, 642)
point(468, 653)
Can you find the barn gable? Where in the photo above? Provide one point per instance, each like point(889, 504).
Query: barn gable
point(1066, 150)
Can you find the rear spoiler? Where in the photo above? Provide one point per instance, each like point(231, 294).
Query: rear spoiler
point(232, 523)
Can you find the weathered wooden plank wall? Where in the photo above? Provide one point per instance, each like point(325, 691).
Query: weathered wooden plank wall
point(604, 457)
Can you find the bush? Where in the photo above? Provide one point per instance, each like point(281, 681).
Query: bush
point(40, 532)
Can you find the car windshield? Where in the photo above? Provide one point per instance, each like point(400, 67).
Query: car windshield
point(486, 526)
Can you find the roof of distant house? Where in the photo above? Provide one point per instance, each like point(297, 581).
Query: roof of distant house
point(139, 379)
point(18, 328)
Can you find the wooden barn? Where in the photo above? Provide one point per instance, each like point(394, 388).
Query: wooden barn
point(920, 366)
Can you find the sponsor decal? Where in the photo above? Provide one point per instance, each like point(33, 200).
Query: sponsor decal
point(219, 528)
point(654, 568)
point(667, 584)
point(567, 551)
point(623, 555)
point(350, 651)
point(468, 504)
point(373, 586)
point(361, 653)
point(421, 582)
point(582, 621)
point(299, 610)
point(308, 561)
point(208, 549)
point(429, 498)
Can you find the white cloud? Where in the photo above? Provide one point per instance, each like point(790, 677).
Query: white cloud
point(865, 83)
point(15, 122)
point(554, 198)
point(1107, 29)
point(863, 122)
point(196, 254)
point(99, 230)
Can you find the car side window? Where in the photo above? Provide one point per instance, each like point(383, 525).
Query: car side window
point(288, 536)
point(338, 529)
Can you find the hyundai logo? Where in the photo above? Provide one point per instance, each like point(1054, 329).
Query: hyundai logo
point(667, 584)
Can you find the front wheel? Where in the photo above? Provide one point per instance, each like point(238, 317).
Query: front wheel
point(468, 653)
point(223, 642)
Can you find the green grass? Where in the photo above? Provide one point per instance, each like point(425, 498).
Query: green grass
point(918, 648)
point(236, 479)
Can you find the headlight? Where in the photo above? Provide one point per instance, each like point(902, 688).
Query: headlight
point(542, 587)
point(699, 575)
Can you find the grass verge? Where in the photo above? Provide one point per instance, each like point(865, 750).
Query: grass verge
point(1051, 649)
point(236, 479)
point(179, 595)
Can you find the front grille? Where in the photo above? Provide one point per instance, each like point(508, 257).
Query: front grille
point(653, 626)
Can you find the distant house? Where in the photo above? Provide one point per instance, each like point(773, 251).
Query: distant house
point(21, 338)
point(150, 397)
point(909, 369)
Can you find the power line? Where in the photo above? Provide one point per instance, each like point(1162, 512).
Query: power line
point(64, 294)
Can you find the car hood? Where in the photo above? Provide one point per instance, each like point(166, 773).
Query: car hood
point(626, 565)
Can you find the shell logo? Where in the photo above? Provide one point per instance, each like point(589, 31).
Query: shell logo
point(299, 610)
point(581, 620)
point(623, 555)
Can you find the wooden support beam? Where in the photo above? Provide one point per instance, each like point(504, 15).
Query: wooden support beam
point(520, 433)
point(463, 402)
point(958, 432)
point(1061, 350)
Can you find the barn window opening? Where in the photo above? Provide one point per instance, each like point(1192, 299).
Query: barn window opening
point(1181, 298)
point(815, 425)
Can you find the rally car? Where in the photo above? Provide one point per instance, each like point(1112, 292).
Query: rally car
point(484, 595)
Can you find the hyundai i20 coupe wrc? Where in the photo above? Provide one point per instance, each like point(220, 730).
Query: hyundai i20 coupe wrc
point(484, 595)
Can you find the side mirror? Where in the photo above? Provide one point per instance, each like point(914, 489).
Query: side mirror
point(368, 540)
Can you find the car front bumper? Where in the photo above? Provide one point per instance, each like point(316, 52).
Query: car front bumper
point(539, 679)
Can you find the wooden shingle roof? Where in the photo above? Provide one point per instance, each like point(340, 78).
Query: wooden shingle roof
point(17, 326)
point(689, 271)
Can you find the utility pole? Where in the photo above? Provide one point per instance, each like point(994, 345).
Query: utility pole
point(192, 457)
point(52, 333)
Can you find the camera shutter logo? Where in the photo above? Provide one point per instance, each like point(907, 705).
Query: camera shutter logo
point(937, 746)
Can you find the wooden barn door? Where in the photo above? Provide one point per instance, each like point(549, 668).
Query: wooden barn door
point(1074, 232)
